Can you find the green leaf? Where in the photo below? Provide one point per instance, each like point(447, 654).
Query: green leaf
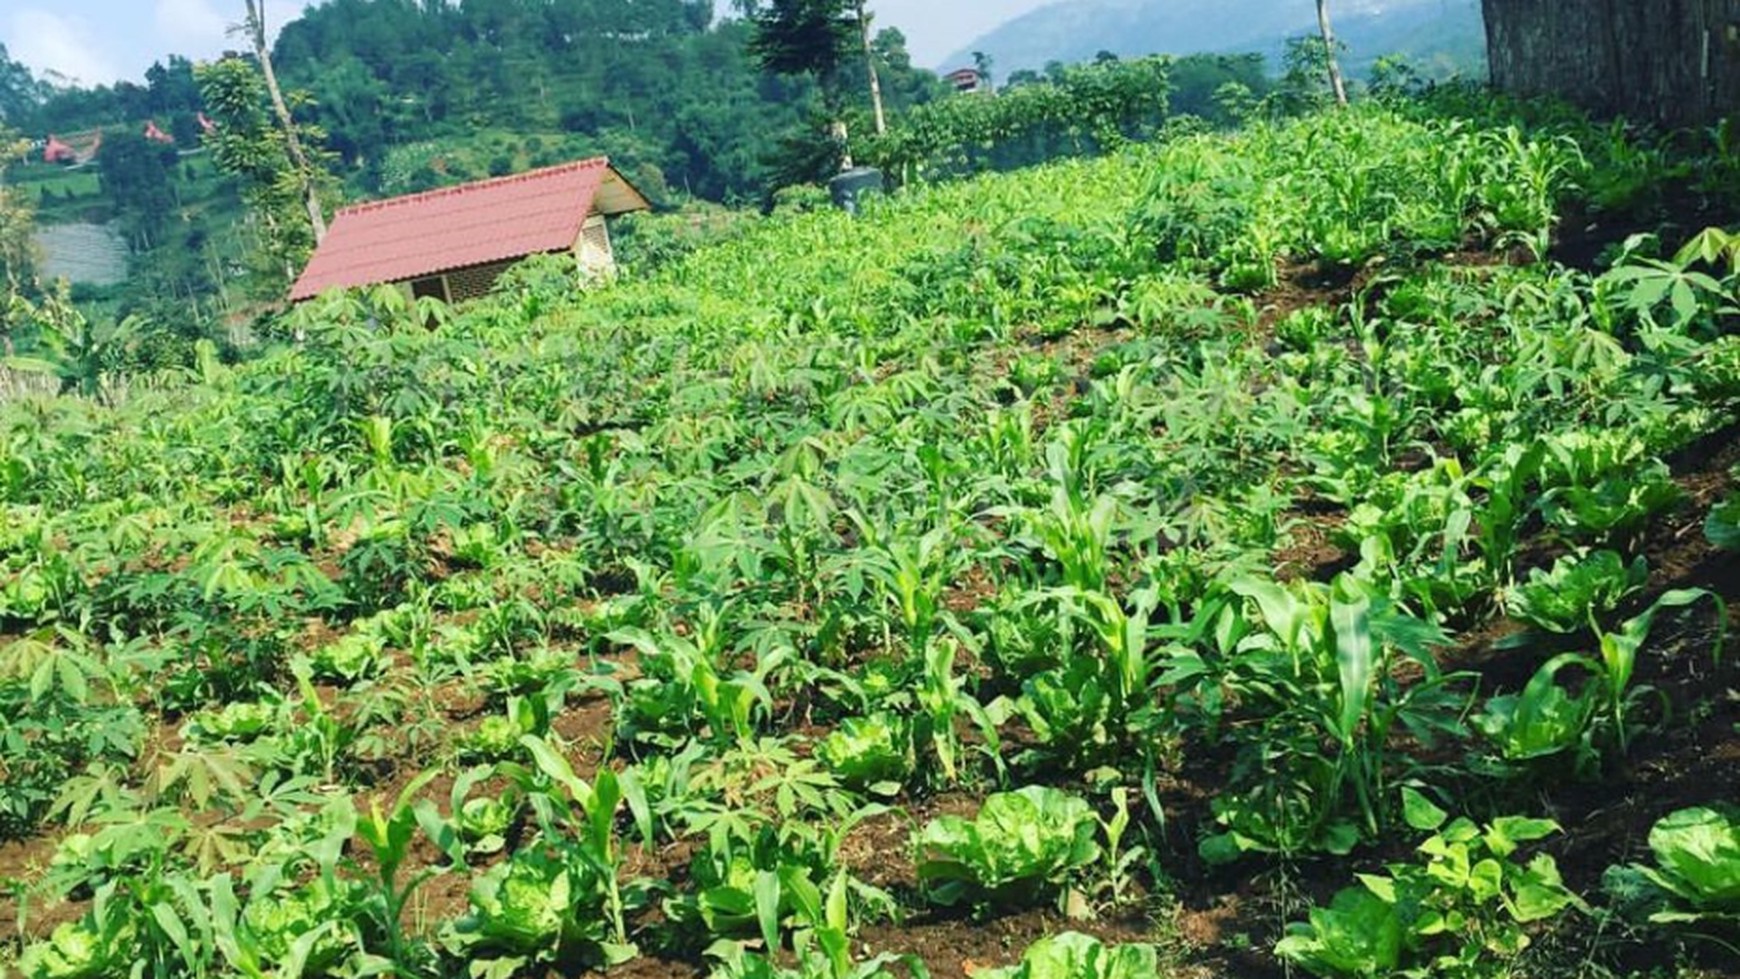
point(1722, 527)
point(1032, 838)
point(1355, 663)
point(557, 769)
point(1698, 850)
point(1420, 813)
point(1360, 935)
point(767, 894)
point(635, 794)
point(1506, 832)
point(1540, 893)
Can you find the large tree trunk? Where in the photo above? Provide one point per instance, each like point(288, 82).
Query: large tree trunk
point(1674, 62)
point(870, 63)
point(1335, 80)
point(298, 157)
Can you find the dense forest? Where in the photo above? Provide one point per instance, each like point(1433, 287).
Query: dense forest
point(659, 85)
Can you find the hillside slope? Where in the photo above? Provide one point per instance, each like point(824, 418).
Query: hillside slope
point(1444, 34)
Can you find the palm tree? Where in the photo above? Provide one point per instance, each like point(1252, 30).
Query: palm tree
point(983, 63)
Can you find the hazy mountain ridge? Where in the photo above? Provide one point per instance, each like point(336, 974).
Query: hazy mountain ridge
point(1444, 33)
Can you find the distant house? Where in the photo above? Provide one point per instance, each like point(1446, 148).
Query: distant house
point(76, 149)
point(967, 81)
point(454, 243)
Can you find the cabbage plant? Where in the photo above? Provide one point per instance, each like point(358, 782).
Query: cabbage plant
point(102, 943)
point(1696, 875)
point(1722, 527)
point(533, 910)
point(1073, 955)
point(350, 658)
point(1577, 588)
point(1022, 845)
point(872, 752)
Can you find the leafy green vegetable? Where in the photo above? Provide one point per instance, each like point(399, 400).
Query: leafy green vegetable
point(99, 945)
point(1456, 912)
point(1697, 868)
point(1564, 599)
point(1359, 934)
point(73, 952)
point(1618, 503)
point(498, 736)
point(866, 752)
point(1072, 955)
point(1021, 844)
point(484, 822)
point(529, 910)
point(1722, 527)
point(1070, 710)
point(233, 722)
point(495, 737)
point(277, 922)
point(1545, 719)
point(350, 658)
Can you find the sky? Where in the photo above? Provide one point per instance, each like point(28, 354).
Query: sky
point(100, 41)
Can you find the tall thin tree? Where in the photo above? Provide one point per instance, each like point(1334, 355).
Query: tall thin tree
point(255, 27)
point(864, 18)
point(1335, 80)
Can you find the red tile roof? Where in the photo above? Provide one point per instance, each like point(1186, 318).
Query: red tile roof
point(455, 227)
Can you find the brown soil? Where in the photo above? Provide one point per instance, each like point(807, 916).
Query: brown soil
point(1313, 551)
point(960, 947)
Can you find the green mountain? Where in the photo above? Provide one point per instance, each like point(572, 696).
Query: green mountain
point(1443, 35)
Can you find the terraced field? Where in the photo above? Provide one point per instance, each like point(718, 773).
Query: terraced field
point(1249, 551)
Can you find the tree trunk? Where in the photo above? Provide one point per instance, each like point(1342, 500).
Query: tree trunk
point(1335, 80)
point(257, 34)
point(870, 63)
point(837, 130)
point(1674, 64)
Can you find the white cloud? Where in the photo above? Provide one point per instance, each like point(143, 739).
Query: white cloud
point(49, 42)
point(190, 23)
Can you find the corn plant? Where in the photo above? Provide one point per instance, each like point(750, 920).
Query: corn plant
point(566, 803)
point(1327, 658)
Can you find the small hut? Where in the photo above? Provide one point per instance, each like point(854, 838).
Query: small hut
point(454, 243)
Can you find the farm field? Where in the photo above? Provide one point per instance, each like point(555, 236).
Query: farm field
point(1306, 548)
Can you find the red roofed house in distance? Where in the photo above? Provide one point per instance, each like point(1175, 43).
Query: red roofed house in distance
point(454, 243)
point(967, 81)
point(77, 149)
